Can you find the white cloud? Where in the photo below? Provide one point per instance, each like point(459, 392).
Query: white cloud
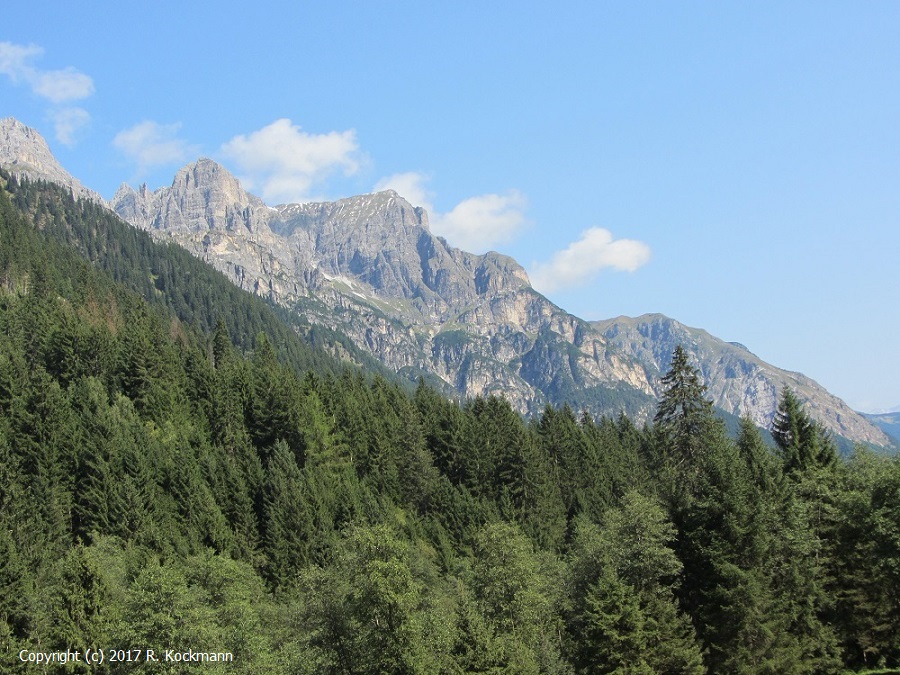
point(150, 144)
point(475, 224)
point(479, 223)
point(68, 122)
point(14, 60)
point(284, 163)
point(580, 261)
point(410, 186)
point(57, 86)
point(60, 86)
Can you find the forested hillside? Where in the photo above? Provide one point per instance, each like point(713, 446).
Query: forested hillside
point(179, 472)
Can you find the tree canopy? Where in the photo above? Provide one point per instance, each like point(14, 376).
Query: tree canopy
point(185, 473)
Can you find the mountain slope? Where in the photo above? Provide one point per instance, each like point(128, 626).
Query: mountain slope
point(24, 151)
point(889, 423)
point(738, 380)
point(168, 276)
point(368, 267)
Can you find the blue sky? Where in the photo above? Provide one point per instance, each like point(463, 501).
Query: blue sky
point(735, 166)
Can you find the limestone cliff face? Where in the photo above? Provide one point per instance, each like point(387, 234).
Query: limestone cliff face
point(369, 267)
point(24, 151)
point(208, 212)
point(738, 380)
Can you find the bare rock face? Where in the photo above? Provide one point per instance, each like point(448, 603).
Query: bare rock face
point(207, 211)
point(738, 381)
point(23, 151)
point(369, 267)
point(203, 197)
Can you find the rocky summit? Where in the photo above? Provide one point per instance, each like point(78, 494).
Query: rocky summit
point(369, 267)
point(24, 151)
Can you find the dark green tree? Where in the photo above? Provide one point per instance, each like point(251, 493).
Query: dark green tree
point(863, 554)
point(622, 614)
point(684, 415)
point(803, 443)
point(287, 519)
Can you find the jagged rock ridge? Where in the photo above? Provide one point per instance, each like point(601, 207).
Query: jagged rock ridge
point(368, 266)
point(420, 305)
point(24, 151)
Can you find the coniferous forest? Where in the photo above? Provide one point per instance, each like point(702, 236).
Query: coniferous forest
point(183, 467)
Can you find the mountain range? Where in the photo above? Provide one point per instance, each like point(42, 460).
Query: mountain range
point(888, 422)
point(369, 267)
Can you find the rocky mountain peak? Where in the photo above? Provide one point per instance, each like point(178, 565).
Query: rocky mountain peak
point(369, 267)
point(24, 151)
point(382, 213)
point(203, 197)
point(214, 181)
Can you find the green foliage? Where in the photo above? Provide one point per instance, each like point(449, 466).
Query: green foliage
point(514, 598)
point(864, 553)
point(622, 614)
point(370, 611)
point(803, 443)
point(684, 422)
point(178, 468)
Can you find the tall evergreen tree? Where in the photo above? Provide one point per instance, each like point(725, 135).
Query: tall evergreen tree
point(687, 431)
point(287, 518)
point(803, 443)
point(622, 614)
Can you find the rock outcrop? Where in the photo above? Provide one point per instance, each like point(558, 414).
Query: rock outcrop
point(369, 267)
point(23, 151)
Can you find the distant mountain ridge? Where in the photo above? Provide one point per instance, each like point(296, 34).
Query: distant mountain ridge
point(737, 379)
point(369, 267)
point(888, 422)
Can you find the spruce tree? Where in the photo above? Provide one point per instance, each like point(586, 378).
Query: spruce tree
point(683, 412)
point(621, 613)
point(803, 443)
point(687, 431)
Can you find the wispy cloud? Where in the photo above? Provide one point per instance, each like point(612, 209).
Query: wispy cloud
point(581, 260)
point(56, 86)
point(68, 122)
point(284, 163)
point(150, 144)
point(61, 86)
point(14, 60)
point(475, 224)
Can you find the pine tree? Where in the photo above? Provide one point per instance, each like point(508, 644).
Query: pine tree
point(287, 521)
point(683, 413)
point(803, 443)
point(687, 431)
point(622, 611)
